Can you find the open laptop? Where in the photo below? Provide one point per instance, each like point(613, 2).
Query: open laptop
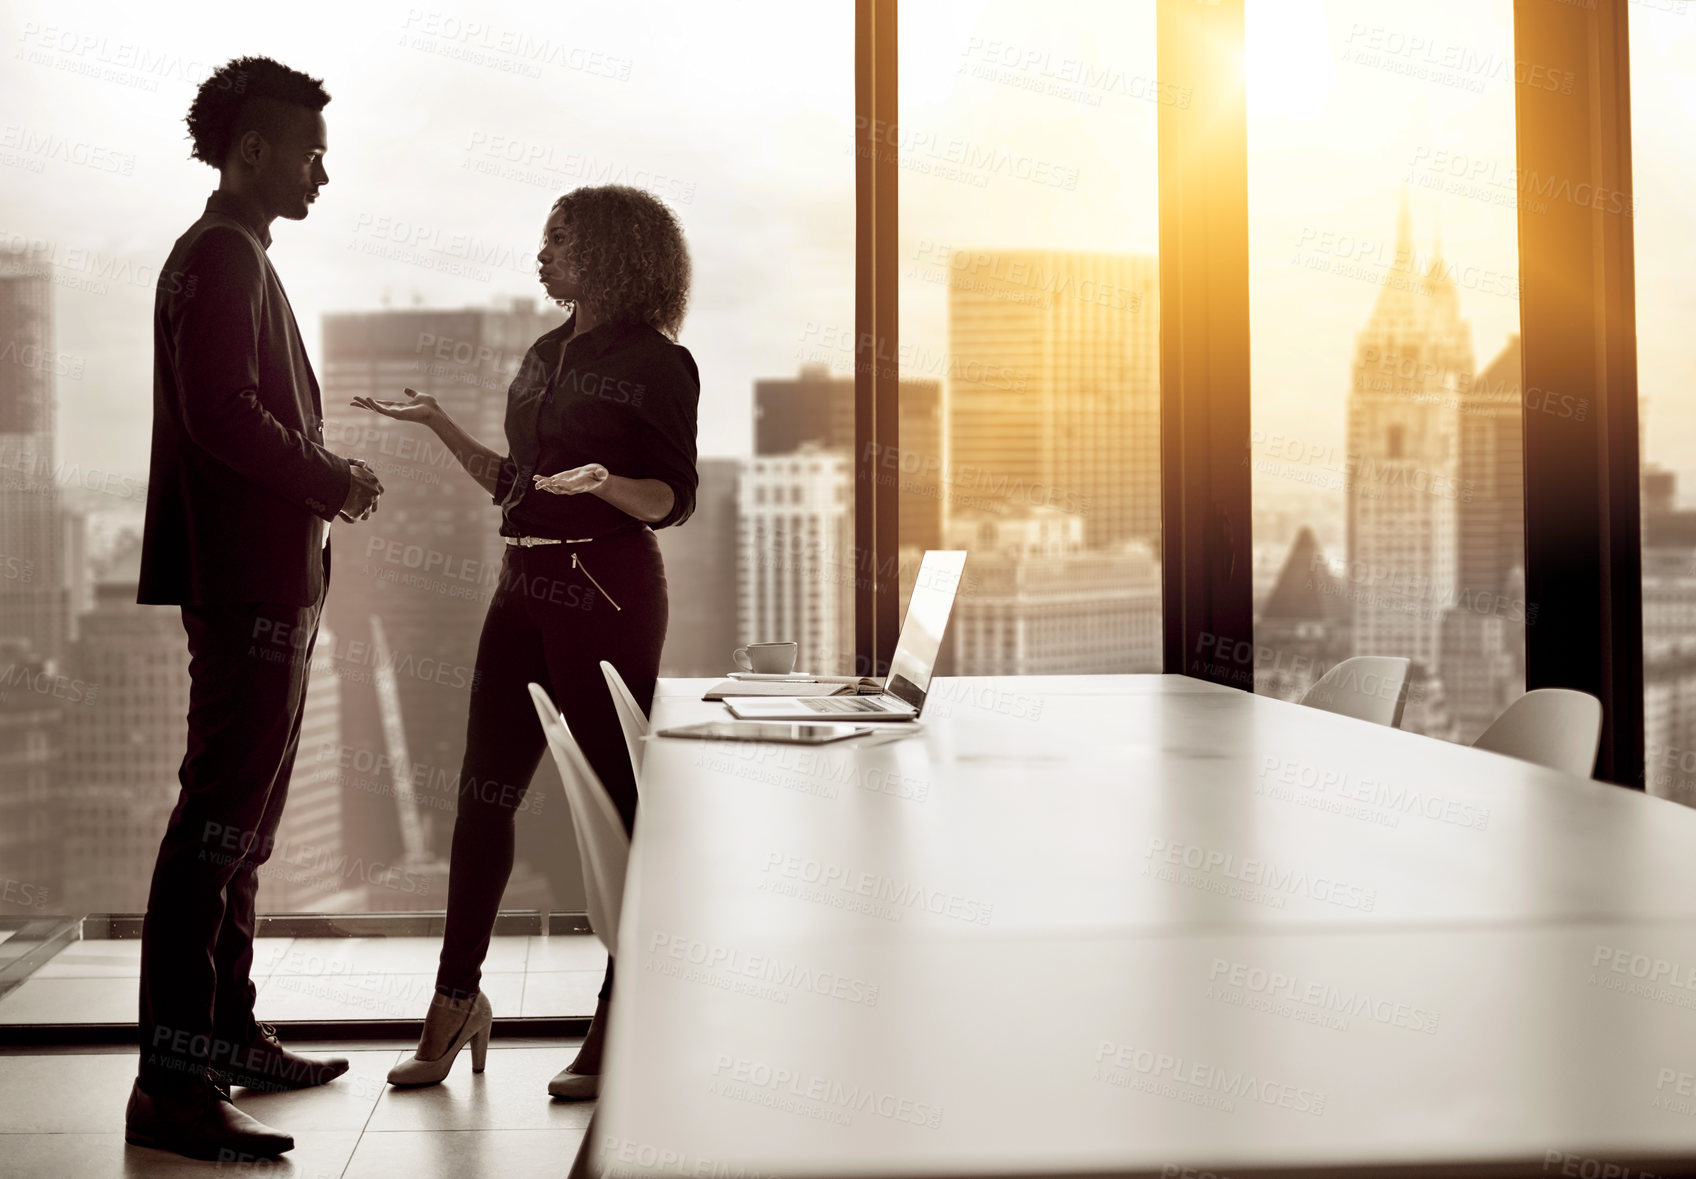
point(903, 695)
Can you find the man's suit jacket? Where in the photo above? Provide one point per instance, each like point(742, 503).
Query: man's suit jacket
point(240, 487)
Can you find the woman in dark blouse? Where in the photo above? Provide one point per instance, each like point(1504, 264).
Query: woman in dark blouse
point(600, 425)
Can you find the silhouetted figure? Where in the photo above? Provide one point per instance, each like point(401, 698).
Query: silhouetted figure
point(239, 499)
point(600, 428)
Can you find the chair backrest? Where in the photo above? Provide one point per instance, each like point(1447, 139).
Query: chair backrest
point(1367, 687)
point(1556, 727)
point(601, 840)
point(630, 717)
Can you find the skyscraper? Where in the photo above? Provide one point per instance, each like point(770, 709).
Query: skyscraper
point(1052, 392)
point(1669, 641)
point(31, 748)
point(1413, 363)
point(429, 557)
point(817, 408)
point(1035, 601)
point(700, 584)
point(34, 599)
point(126, 726)
point(306, 864)
point(1492, 466)
point(795, 556)
point(1481, 656)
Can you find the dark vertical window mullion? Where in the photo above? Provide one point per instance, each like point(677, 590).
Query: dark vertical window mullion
point(1204, 344)
point(876, 364)
point(1583, 565)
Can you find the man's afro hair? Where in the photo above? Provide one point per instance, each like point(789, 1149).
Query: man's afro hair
point(215, 115)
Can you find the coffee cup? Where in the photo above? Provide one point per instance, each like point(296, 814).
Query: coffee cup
point(766, 658)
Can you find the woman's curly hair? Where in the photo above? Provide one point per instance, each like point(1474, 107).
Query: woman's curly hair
point(222, 101)
point(630, 251)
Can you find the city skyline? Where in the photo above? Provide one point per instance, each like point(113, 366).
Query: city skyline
point(113, 215)
point(1384, 337)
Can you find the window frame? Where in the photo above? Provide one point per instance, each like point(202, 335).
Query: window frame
point(1583, 560)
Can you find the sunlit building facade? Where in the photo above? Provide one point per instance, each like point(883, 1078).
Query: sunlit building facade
point(795, 556)
point(1052, 382)
point(1412, 366)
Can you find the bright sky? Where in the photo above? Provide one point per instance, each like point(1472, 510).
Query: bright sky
point(741, 116)
point(1022, 126)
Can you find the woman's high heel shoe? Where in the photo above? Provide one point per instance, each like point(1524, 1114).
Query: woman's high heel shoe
point(472, 1021)
point(573, 1085)
point(570, 1086)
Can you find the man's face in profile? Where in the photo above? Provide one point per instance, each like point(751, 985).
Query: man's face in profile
point(291, 169)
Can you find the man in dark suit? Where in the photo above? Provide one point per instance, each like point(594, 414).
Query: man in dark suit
point(239, 502)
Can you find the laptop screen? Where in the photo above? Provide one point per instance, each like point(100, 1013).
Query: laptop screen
point(921, 634)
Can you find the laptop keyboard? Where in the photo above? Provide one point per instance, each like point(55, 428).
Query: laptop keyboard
point(842, 704)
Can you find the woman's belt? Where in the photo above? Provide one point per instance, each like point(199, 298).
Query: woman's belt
point(531, 541)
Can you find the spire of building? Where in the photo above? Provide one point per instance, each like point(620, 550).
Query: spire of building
point(1413, 358)
point(1417, 307)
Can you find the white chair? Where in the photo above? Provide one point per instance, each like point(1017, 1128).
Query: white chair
point(603, 847)
point(1555, 727)
point(1367, 687)
point(630, 718)
point(601, 841)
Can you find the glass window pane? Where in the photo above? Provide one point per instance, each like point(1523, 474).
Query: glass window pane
point(1663, 120)
point(1029, 327)
point(1387, 404)
point(450, 138)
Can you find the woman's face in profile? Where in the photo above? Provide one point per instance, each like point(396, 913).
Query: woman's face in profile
point(555, 271)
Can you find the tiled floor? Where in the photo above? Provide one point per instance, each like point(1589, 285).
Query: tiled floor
point(62, 1115)
point(325, 978)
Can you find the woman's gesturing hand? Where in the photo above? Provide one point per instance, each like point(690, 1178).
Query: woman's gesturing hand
point(573, 482)
point(419, 407)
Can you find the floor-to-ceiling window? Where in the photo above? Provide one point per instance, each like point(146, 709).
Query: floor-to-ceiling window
point(1030, 325)
point(1663, 117)
point(1383, 285)
point(451, 132)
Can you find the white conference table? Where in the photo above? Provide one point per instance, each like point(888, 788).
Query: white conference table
point(1145, 925)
